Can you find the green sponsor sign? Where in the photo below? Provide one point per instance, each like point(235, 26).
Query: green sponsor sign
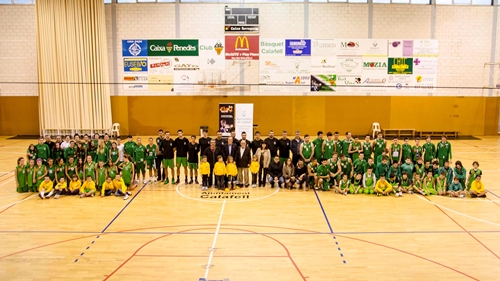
point(175, 47)
point(400, 66)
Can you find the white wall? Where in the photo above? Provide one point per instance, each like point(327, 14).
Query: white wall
point(18, 50)
point(464, 34)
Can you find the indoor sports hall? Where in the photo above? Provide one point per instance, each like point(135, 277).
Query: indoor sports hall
point(249, 140)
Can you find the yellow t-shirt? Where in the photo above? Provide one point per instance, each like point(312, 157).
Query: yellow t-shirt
point(204, 168)
point(87, 187)
point(61, 185)
point(46, 185)
point(74, 185)
point(119, 184)
point(107, 186)
point(383, 186)
point(220, 169)
point(478, 187)
point(231, 169)
point(254, 167)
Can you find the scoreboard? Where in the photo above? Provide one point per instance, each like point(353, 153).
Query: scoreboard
point(241, 20)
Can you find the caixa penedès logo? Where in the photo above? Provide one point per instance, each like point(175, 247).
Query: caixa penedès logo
point(175, 47)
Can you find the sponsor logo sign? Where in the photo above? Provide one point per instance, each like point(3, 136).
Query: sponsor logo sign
point(426, 83)
point(135, 64)
point(243, 47)
point(272, 47)
point(425, 48)
point(134, 48)
point(212, 54)
point(349, 47)
point(160, 65)
point(240, 28)
point(323, 82)
point(324, 58)
point(425, 65)
point(400, 66)
point(297, 47)
point(375, 47)
point(135, 82)
point(173, 47)
point(349, 65)
point(375, 65)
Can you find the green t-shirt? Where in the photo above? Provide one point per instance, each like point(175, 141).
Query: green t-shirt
point(129, 148)
point(139, 153)
point(306, 150)
point(373, 166)
point(42, 151)
point(418, 151)
point(329, 149)
point(407, 152)
point(379, 146)
point(408, 168)
point(318, 154)
point(323, 171)
point(381, 170)
point(367, 150)
point(345, 147)
point(395, 152)
point(151, 152)
point(359, 166)
point(444, 150)
point(429, 150)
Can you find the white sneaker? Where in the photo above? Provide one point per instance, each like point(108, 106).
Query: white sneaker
point(128, 193)
point(397, 194)
point(401, 194)
point(50, 194)
point(410, 192)
point(144, 181)
point(57, 196)
point(81, 195)
point(125, 197)
point(92, 195)
point(461, 196)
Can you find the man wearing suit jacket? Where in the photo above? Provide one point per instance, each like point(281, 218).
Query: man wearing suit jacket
point(212, 152)
point(229, 149)
point(243, 161)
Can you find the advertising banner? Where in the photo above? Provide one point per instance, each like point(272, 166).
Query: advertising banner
point(226, 118)
point(134, 48)
point(242, 47)
point(323, 82)
point(135, 82)
point(425, 48)
point(425, 65)
point(400, 66)
point(297, 47)
point(244, 119)
point(212, 54)
point(400, 48)
point(323, 56)
point(349, 65)
point(350, 47)
point(272, 47)
point(160, 65)
point(375, 47)
point(173, 47)
point(135, 65)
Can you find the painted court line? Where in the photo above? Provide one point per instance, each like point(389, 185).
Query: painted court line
point(12, 204)
point(212, 250)
point(329, 226)
point(489, 191)
point(111, 222)
point(458, 213)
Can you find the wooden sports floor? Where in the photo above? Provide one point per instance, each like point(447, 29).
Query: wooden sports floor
point(165, 232)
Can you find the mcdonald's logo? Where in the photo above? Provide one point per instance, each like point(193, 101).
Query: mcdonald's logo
point(243, 40)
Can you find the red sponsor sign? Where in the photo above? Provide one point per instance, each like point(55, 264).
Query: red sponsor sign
point(242, 47)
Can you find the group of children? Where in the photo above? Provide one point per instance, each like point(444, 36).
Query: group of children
point(104, 167)
point(79, 169)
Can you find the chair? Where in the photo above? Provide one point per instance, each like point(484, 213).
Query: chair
point(115, 129)
point(376, 128)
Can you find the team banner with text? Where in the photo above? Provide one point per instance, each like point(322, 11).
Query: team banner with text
point(285, 65)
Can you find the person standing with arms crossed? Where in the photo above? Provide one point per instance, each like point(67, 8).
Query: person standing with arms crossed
point(378, 146)
point(181, 144)
point(272, 144)
point(429, 150)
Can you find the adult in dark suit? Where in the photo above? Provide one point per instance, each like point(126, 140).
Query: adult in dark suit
point(212, 152)
point(243, 161)
point(229, 149)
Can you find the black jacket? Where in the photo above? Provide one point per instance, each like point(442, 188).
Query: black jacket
point(276, 169)
point(245, 160)
point(225, 151)
point(212, 156)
